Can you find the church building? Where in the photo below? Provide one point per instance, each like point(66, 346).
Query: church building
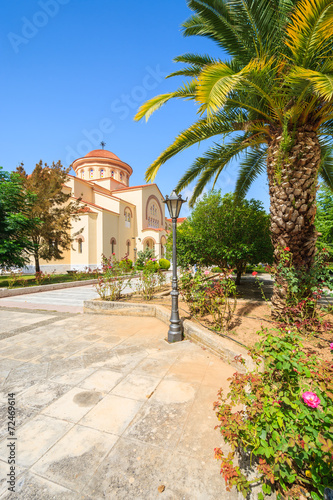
point(116, 218)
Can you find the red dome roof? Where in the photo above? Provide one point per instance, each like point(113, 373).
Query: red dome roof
point(102, 153)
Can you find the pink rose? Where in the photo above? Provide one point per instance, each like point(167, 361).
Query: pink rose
point(206, 273)
point(254, 273)
point(311, 399)
point(331, 346)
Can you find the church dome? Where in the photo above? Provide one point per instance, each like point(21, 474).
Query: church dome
point(102, 153)
point(100, 164)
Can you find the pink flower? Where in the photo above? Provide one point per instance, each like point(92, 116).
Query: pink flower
point(254, 273)
point(311, 399)
point(206, 273)
point(287, 249)
point(331, 346)
point(114, 253)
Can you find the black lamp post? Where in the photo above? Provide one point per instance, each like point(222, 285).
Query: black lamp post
point(174, 204)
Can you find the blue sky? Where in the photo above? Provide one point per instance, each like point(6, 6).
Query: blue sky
point(74, 72)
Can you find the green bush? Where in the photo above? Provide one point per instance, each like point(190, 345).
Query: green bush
point(164, 264)
point(152, 265)
point(126, 264)
point(216, 270)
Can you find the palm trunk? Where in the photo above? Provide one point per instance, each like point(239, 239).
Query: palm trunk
point(292, 177)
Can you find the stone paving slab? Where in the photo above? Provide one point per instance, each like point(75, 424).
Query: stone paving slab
point(107, 409)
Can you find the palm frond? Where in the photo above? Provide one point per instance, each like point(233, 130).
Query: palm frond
point(201, 130)
point(213, 162)
point(251, 167)
point(322, 83)
point(187, 91)
point(310, 30)
point(216, 20)
point(326, 164)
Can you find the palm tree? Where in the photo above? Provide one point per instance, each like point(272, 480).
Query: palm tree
point(270, 104)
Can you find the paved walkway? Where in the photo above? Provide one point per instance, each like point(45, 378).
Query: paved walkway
point(64, 300)
point(106, 409)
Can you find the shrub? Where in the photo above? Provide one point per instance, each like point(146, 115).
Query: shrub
point(126, 265)
point(144, 256)
point(216, 270)
point(152, 265)
point(149, 282)
point(111, 283)
point(285, 424)
point(164, 264)
point(204, 296)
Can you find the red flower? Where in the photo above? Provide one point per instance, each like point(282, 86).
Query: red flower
point(114, 253)
point(287, 249)
point(254, 273)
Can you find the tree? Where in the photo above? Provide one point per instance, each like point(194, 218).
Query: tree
point(324, 220)
point(54, 210)
point(223, 231)
point(269, 103)
point(15, 224)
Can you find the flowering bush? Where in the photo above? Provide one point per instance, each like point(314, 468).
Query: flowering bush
point(303, 288)
point(285, 424)
point(111, 283)
point(204, 296)
point(150, 281)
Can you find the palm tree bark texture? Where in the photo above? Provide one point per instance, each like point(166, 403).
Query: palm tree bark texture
point(292, 187)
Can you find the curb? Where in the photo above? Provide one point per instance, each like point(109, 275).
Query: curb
point(224, 348)
point(5, 292)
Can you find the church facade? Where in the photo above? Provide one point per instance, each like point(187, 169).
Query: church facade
point(116, 218)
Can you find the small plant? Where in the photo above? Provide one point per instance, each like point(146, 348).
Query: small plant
point(303, 289)
point(143, 257)
point(16, 279)
point(222, 301)
point(111, 283)
point(164, 264)
point(41, 277)
point(150, 281)
point(285, 425)
point(204, 296)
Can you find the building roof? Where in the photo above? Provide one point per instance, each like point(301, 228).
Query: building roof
point(102, 153)
point(179, 220)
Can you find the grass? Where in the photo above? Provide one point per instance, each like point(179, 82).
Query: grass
point(27, 280)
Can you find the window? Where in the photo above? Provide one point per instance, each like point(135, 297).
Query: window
point(128, 244)
point(79, 244)
point(127, 218)
point(91, 175)
point(82, 174)
point(121, 176)
point(113, 245)
point(112, 174)
point(102, 173)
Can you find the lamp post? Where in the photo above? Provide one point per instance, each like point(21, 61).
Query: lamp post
point(174, 204)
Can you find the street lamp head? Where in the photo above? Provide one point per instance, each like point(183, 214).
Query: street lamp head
point(174, 203)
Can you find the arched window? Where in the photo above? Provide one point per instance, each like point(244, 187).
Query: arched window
point(102, 173)
point(121, 176)
point(112, 174)
point(82, 174)
point(154, 214)
point(113, 245)
point(128, 215)
point(91, 173)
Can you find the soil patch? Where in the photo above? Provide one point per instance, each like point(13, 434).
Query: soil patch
point(252, 314)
